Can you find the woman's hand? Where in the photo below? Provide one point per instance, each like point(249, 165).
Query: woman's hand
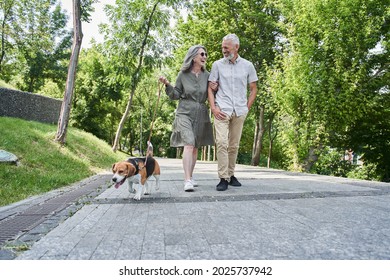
point(213, 85)
point(163, 80)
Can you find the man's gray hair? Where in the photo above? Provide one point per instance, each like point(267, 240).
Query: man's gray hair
point(233, 38)
point(191, 54)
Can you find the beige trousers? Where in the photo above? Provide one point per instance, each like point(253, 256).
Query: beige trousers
point(227, 138)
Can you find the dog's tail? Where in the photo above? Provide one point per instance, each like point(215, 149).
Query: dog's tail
point(149, 150)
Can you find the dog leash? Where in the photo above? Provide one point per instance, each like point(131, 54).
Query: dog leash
point(155, 110)
point(153, 119)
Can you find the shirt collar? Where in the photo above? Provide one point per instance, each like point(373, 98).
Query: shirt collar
point(235, 62)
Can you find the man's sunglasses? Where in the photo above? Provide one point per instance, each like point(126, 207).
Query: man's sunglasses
point(203, 54)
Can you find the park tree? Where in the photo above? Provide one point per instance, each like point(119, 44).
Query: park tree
point(152, 117)
point(34, 41)
point(96, 99)
point(99, 100)
point(329, 77)
point(81, 12)
point(6, 15)
point(136, 43)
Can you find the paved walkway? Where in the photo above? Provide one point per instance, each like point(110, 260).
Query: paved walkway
point(274, 215)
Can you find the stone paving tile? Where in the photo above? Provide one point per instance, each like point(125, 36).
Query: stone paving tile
point(106, 250)
point(153, 255)
point(202, 255)
point(177, 252)
point(81, 253)
point(174, 237)
point(132, 252)
point(224, 251)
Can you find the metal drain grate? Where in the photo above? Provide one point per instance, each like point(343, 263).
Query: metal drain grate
point(44, 209)
point(13, 227)
point(35, 215)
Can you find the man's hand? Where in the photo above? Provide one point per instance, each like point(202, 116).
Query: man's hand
point(218, 114)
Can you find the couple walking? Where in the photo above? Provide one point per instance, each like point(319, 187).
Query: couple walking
point(225, 87)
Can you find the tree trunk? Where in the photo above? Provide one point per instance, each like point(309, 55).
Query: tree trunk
point(271, 139)
point(312, 157)
point(269, 154)
point(63, 120)
point(255, 139)
point(7, 8)
point(122, 122)
point(259, 139)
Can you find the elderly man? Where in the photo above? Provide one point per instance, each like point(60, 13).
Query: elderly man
point(230, 106)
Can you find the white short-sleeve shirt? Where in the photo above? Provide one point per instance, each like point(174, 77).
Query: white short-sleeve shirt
point(233, 79)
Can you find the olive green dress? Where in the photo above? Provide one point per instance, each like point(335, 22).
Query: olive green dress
point(192, 125)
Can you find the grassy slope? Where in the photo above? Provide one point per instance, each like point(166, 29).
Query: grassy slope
point(44, 164)
point(4, 84)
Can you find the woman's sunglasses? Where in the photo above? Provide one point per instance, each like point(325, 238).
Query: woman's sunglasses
point(203, 54)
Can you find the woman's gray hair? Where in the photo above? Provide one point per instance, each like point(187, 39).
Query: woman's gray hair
point(189, 58)
point(233, 38)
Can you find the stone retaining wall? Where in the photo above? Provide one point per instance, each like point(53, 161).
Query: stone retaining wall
point(29, 106)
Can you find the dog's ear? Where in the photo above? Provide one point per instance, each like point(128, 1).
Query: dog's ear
point(113, 168)
point(130, 169)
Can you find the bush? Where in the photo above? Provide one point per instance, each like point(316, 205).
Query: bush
point(331, 162)
point(364, 172)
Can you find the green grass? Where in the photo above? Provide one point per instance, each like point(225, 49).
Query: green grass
point(5, 85)
point(44, 164)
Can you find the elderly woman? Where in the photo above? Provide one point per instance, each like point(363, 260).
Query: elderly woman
point(192, 126)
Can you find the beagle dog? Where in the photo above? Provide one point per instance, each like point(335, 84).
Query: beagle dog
point(136, 171)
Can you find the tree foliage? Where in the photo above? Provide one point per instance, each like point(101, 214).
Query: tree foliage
point(322, 67)
point(326, 80)
point(135, 42)
point(35, 42)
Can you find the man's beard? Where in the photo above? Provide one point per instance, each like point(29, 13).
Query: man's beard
point(230, 56)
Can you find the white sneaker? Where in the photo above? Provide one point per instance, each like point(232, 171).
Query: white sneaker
point(188, 186)
point(193, 182)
